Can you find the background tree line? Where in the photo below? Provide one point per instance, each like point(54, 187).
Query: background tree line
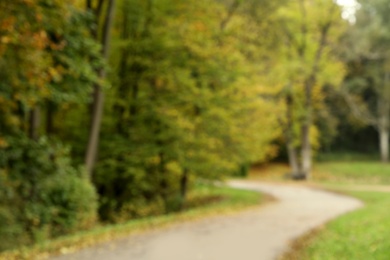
point(111, 109)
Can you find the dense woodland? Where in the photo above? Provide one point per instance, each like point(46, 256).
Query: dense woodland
point(111, 110)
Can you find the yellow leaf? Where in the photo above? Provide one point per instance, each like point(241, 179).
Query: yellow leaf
point(5, 39)
point(3, 143)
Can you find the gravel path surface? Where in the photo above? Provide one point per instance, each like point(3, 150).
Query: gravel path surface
point(260, 234)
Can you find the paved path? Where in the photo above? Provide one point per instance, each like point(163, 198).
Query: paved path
point(260, 234)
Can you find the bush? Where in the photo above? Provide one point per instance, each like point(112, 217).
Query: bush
point(41, 194)
point(134, 182)
point(11, 232)
point(243, 170)
point(126, 190)
point(71, 202)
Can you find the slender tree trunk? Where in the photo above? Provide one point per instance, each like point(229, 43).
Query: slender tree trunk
point(306, 149)
point(119, 107)
point(122, 73)
point(384, 144)
point(34, 122)
point(293, 159)
point(383, 120)
point(134, 95)
point(97, 112)
point(98, 95)
point(232, 9)
point(291, 150)
point(163, 179)
point(50, 118)
point(306, 152)
point(184, 185)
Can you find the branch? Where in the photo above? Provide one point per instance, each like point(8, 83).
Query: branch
point(89, 4)
point(357, 112)
point(99, 7)
point(107, 27)
point(290, 37)
point(321, 46)
point(302, 47)
point(233, 8)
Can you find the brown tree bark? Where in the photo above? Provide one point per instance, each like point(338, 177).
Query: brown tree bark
point(384, 144)
point(98, 95)
point(306, 149)
point(291, 149)
point(379, 118)
point(34, 122)
point(383, 124)
point(184, 185)
point(50, 107)
point(304, 168)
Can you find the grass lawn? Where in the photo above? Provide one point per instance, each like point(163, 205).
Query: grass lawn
point(358, 172)
point(341, 172)
point(363, 234)
point(203, 201)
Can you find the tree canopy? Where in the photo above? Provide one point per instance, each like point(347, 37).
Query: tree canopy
point(132, 102)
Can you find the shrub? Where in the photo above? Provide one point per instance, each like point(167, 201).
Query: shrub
point(133, 182)
point(11, 232)
point(71, 203)
point(41, 194)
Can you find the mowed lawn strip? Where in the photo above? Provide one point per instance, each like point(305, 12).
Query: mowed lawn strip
point(362, 234)
point(204, 201)
point(359, 172)
point(340, 172)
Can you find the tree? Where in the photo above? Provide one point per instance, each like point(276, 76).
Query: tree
point(304, 64)
point(22, 45)
point(367, 87)
point(187, 105)
point(107, 15)
point(43, 59)
point(44, 62)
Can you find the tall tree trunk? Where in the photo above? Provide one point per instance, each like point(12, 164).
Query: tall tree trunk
point(306, 149)
point(122, 73)
point(184, 186)
point(383, 127)
point(50, 118)
point(164, 185)
point(293, 159)
point(123, 84)
point(291, 150)
point(98, 95)
point(384, 144)
point(97, 112)
point(306, 152)
point(34, 122)
point(383, 120)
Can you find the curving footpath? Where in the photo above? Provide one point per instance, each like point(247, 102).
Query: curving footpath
point(260, 234)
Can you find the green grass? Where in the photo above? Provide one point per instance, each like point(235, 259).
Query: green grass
point(204, 201)
point(363, 234)
point(347, 157)
point(359, 172)
point(341, 172)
